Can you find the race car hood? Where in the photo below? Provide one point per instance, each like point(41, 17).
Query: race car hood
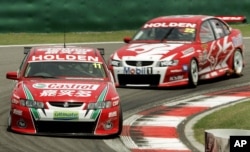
point(68, 90)
point(152, 51)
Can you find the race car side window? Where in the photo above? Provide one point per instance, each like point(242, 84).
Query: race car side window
point(219, 29)
point(23, 63)
point(226, 28)
point(206, 32)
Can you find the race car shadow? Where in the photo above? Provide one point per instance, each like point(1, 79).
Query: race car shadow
point(71, 136)
point(84, 137)
point(218, 79)
point(200, 83)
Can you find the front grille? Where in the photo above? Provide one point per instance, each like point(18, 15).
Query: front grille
point(66, 104)
point(139, 63)
point(152, 79)
point(57, 127)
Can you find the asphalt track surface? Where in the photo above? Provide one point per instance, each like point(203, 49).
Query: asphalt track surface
point(133, 100)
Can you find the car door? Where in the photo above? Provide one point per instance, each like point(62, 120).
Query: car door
point(207, 55)
point(223, 44)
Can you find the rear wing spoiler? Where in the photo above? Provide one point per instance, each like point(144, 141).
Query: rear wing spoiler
point(233, 19)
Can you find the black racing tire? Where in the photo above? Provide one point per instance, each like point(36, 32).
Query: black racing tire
point(120, 124)
point(238, 63)
point(9, 123)
point(193, 73)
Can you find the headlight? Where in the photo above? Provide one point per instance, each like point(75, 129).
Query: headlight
point(168, 63)
point(116, 63)
point(31, 103)
point(100, 105)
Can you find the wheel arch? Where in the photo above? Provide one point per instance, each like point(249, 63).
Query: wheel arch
point(191, 82)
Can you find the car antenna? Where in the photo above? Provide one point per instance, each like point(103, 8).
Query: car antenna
point(64, 35)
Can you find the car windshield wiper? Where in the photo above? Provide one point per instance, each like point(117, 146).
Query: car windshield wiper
point(40, 76)
point(167, 34)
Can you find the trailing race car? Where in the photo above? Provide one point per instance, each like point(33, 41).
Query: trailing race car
point(178, 50)
point(64, 91)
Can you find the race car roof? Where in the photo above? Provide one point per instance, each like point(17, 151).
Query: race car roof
point(180, 18)
point(187, 21)
point(70, 53)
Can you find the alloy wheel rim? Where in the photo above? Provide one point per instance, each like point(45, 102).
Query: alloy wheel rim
point(194, 71)
point(238, 62)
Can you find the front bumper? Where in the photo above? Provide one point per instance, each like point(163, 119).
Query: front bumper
point(150, 76)
point(105, 123)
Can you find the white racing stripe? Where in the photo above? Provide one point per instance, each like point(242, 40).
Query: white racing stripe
point(160, 143)
point(169, 121)
point(214, 101)
point(131, 120)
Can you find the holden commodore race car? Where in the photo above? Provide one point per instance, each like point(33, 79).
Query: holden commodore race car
point(178, 50)
point(64, 91)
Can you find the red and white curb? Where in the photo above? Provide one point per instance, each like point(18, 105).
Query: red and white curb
point(155, 130)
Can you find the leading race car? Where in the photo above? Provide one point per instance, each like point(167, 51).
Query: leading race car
point(178, 50)
point(64, 91)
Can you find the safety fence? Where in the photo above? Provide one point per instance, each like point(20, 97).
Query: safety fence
point(103, 15)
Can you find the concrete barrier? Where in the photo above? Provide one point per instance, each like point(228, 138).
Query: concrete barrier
point(218, 140)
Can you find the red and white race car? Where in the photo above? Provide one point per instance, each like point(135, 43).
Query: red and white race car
point(178, 50)
point(64, 91)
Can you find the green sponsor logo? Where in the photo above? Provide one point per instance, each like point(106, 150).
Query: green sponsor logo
point(39, 85)
point(66, 115)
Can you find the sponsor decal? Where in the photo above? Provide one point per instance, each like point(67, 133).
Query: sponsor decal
point(237, 41)
point(218, 48)
point(155, 51)
point(171, 24)
point(70, 93)
point(188, 51)
point(189, 30)
point(175, 78)
point(112, 114)
point(64, 57)
point(17, 112)
point(79, 115)
point(115, 98)
point(176, 71)
point(65, 50)
point(66, 115)
point(203, 57)
point(185, 67)
point(67, 86)
point(138, 70)
point(203, 54)
point(115, 103)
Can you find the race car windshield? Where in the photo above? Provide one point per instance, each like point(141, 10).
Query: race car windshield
point(168, 34)
point(65, 69)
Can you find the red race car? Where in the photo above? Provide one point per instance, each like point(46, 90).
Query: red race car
point(178, 50)
point(64, 91)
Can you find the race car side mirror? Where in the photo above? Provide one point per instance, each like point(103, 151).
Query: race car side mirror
point(127, 39)
point(12, 75)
